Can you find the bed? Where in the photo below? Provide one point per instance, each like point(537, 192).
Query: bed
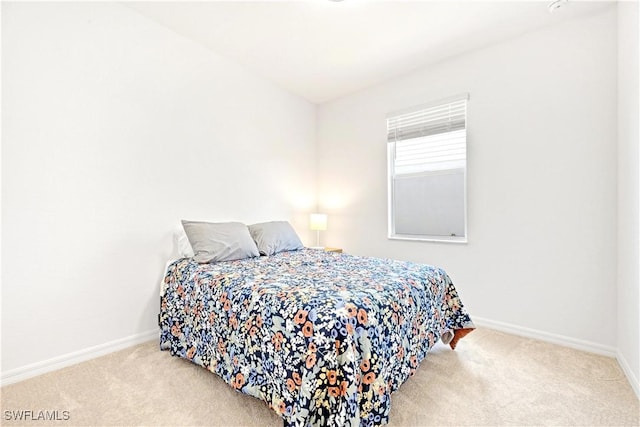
point(323, 338)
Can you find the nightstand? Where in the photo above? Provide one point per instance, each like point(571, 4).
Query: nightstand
point(339, 250)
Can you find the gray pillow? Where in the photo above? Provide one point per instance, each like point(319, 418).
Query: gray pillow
point(219, 241)
point(275, 236)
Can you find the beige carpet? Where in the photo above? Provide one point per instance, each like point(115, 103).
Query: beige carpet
point(492, 379)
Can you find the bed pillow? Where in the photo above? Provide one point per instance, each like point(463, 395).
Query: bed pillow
point(275, 236)
point(182, 243)
point(219, 241)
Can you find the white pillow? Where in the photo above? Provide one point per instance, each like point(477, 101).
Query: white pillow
point(275, 236)
point(219, 241)
point(182, 243)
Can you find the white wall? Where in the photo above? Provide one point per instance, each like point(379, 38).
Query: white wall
point(541, 177)
point(114, 128)
point(628, 191)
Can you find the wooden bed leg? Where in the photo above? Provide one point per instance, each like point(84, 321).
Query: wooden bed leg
point(457, 335)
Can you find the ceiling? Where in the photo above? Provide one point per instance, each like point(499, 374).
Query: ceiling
point(322, 50)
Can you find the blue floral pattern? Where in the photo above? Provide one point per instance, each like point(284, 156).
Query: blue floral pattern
point(323, 338)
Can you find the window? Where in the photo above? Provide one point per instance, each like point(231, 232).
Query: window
point(427, 152)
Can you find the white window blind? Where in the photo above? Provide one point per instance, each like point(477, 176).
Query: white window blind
point(443, 118)
point(427, 169)
point(431, 153)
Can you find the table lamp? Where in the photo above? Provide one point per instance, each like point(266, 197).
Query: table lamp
point(318, 222)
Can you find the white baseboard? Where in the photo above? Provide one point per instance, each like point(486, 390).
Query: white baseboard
point(635, 385)
point(583, 345)
point(39, 368)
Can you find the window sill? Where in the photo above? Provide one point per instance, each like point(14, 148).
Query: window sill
point(438, 239)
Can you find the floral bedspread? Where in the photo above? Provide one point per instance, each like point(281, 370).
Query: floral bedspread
point(323, 338)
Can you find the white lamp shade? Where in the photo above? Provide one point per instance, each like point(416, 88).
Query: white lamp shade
point(318, 221)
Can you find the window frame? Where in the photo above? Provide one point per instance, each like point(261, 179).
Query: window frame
point(391, 145)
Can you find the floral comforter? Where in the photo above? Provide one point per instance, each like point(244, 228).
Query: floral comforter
point(323, 338)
